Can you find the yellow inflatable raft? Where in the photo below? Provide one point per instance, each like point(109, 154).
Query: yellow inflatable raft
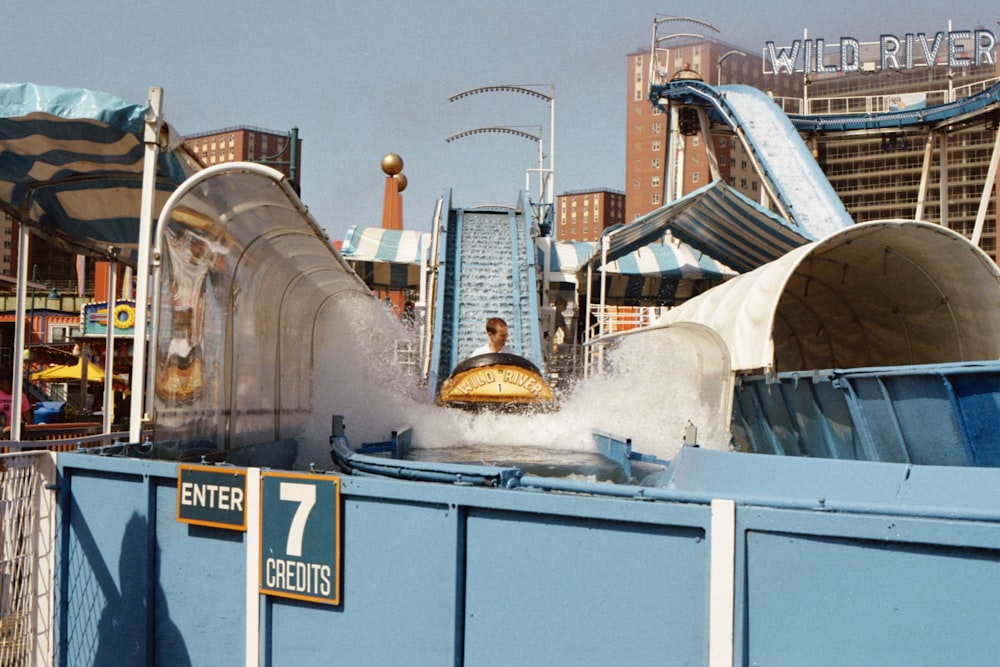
point(496, 381)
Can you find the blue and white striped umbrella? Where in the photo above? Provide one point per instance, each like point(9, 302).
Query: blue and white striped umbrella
point(71, 163)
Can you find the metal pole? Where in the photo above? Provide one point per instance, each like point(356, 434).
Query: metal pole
point(925, 175)
point(151, 138)
point(552, 146)
point(17, 383)
point(109, 342)
point(293, 158)
point(984, 201)
point(430, 301)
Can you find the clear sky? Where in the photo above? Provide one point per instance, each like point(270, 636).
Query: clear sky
point(362, 78)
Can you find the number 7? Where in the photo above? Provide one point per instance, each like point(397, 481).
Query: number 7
point(305, 496)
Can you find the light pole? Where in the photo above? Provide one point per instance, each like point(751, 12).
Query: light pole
point(548, 191)
point(655, 76)
point(718, 74)
point(517, 133)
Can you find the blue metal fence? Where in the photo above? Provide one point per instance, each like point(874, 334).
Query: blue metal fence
point(829, 562)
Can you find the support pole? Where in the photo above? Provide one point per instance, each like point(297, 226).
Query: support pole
point(108, 408)
point(984, 201)
point(706, 136)
point(151, 138)
point(17, 382)
point(925, 176)
point(943, 180)
point(670, 181)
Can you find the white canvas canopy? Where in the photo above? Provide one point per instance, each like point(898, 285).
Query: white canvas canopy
point(875, 294)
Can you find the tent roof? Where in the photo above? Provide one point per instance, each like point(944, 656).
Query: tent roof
point(375, 244)
point(72, 166)
point(715, 220)
point(73, 373)
point(875, 294)
point(388, 258)
point(657, 259)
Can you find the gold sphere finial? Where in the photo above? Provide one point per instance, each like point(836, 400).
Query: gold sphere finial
point(392, 164)
point(400, 182)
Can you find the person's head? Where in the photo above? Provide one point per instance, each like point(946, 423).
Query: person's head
point(496, 330)
point(5, 382)
point(560, 304)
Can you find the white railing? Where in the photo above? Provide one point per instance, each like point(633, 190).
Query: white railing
point(27, 558)
point(862, 104)
point(616, 319)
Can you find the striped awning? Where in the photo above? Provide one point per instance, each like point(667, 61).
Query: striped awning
point(72, 163)
point(650, 274)
point(715, 220)
point(386, 258)
point(661, 259)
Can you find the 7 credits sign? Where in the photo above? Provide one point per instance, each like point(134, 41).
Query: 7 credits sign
point(300, 536)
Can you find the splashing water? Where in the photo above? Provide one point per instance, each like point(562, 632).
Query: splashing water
point(647, 395)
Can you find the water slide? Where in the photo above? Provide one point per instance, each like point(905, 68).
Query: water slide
point(787, 168)
point(782, 158)
point(486, 268)
point(941, 114)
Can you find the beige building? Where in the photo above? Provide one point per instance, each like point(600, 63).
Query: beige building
point(877, 175)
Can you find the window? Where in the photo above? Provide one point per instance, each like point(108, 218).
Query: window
point(61, 334)
point(656, 181)
point(656, 127)
point(696, 140)
point(695, 177)
point(722, 160)
point(656, 146)
point(656, 199)
point(656, 163)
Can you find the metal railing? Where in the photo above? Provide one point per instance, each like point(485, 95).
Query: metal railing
point(27, 563)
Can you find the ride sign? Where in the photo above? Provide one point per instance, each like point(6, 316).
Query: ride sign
point(300, 536)
point(212, 496)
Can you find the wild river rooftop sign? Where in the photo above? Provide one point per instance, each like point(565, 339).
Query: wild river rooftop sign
point(954, 48)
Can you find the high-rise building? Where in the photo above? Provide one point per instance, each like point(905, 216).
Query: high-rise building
point(281, 150)
point(582, 215)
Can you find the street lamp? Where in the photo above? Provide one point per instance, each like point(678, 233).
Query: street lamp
point(655, 75)
point(517, 133)
point(718, 76)
point(548, 193)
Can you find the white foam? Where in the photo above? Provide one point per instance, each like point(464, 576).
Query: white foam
point(646, 396)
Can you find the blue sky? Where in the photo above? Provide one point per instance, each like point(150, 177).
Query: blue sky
point(361, 79)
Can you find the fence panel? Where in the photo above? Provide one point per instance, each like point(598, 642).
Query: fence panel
point(27, 515)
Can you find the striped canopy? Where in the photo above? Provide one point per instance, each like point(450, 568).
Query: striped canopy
point(72, 163)
point(715, 220)
point(665, 260)
point(650, 274)
point(386, 258)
